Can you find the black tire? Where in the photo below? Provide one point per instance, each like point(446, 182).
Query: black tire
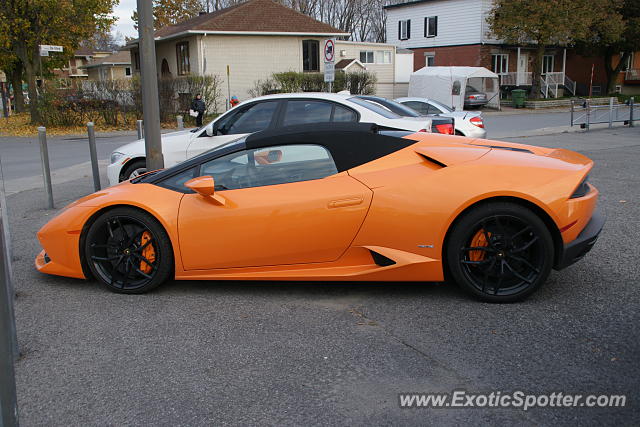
point(133, 169)
point(122, 257)
point(500, 252)
point(459, 133)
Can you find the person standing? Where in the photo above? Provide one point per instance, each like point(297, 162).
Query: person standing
point(198, 106)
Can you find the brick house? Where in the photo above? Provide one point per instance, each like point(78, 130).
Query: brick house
point(112, 67)
point(75, 67)
point(455, 32)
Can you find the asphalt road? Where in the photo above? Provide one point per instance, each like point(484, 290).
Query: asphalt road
point(216, 353)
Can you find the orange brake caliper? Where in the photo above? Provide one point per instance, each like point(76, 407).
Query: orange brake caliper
point(478, 241)
point(148, 252)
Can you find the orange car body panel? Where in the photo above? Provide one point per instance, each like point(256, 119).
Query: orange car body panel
point(399, 206)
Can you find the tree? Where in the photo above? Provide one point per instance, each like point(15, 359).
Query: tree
point(26, 24)
point(170, 12)
point(543, 24)
point(103, 40)
point(12, 67)
point(614, 33)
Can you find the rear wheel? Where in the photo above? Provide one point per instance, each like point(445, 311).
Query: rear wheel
point(500, 252)
point(128, 251)
point(134, 169)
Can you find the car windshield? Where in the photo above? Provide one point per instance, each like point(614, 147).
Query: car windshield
point(441, 106)
point(396, 107)
point(376, 108)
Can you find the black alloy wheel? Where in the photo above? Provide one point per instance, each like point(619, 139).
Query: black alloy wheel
point(128, 251)
point(500, 252)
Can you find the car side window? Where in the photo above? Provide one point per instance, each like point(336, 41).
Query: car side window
point(343, 114)
point(420, 107)
point(254, 118)
point(270, 166)
point(308, 111)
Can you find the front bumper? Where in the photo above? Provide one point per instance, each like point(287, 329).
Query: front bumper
point(113, 173)
point(578, 248)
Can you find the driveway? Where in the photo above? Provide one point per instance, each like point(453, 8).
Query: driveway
point(220, 353)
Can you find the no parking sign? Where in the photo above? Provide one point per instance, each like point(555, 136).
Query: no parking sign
point(329, 60)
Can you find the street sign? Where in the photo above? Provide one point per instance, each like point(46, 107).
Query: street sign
point(329, 60)
point(46, 48)
point(329, 72)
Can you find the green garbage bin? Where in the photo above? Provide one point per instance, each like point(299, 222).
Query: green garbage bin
point(518, 96)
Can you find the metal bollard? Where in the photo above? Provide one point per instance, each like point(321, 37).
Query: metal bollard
point(94, 156)
point(46, 171)
point(8, 341)
point(588, 107)
point(180, 122)
point(572, 107)
point(631, 104)
point(611, 112)
point(140, 128)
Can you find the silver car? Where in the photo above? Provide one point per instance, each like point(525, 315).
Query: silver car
point(466, 123)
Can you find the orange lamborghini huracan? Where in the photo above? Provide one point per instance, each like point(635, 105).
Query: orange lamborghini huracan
point(337, 202)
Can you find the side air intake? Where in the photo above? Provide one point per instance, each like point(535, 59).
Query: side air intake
point(381, 260)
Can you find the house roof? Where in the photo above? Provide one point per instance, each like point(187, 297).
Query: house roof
point(406, 3)
point(250, 17)
point(122, 57)
point(343, 64)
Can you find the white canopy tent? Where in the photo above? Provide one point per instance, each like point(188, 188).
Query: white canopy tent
point(449, 84)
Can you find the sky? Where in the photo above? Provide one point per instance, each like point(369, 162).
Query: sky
point(124, 24)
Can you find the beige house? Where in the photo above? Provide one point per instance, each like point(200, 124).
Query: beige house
point(75, 68)
point(380, 59)
point(249, 42)
point(111, 67)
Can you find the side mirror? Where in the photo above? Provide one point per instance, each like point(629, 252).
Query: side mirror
point(211, 130)
point(206, 187)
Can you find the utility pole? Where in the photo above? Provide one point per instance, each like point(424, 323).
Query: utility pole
point(149, 79)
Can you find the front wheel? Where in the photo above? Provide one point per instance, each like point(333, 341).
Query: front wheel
point(500, 252)
point(134, 169)
point(128, 251)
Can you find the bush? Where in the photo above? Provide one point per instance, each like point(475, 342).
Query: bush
point(358, 83)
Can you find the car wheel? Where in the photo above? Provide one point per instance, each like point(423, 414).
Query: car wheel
point(500, 252)
point(128, 251)
point(134, 169)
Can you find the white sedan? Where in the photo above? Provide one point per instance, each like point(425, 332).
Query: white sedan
point(254, 115)
point(466, 123)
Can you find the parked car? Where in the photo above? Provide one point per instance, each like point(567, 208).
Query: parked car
point(337, 202)
point(474, 98)
point(439, 124)
point(467, 123)
point(266, 112)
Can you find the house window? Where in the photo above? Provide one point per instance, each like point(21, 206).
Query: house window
point(182, 57)
point(500, 63)
point(127, 71)
point(404, 29)
point(383, 57)
point(628, 63)
point(367, 57)
point(430, 59)
point(431, 26)
point(547, 64)
point(310, 55)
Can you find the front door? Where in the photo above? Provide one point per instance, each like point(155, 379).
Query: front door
point(523, 69)
point(282, 205)
point(247, 119)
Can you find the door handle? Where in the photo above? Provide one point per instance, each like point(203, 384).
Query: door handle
point(353, 201)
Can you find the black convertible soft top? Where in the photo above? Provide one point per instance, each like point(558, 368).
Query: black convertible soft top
point(350, 144)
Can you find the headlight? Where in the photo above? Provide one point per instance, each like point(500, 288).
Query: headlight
point(582, 189)
point(115, 156)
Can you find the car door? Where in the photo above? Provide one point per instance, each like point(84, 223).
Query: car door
point(247, 119)
point(282, 205)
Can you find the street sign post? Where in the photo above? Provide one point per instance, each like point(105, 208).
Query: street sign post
point(46, 48)
point(329, 62)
